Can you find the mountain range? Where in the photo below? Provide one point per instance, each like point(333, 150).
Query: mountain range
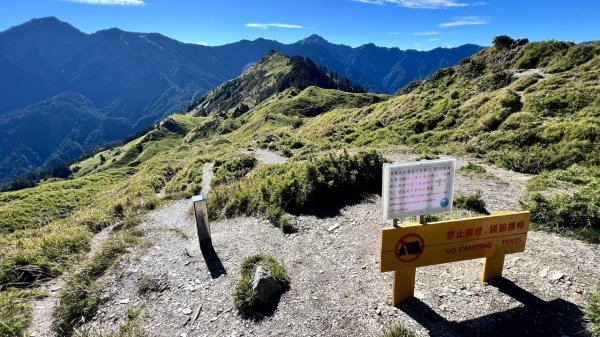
point(65, 92)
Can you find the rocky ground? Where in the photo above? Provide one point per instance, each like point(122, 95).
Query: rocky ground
point(336, 286)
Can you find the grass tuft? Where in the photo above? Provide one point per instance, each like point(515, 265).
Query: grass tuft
point(472, 202)
point(592, 313)
point(80, 298)
point(398, 331)
point(244, 297)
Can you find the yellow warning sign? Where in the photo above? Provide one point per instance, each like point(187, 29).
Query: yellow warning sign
point(415, 245)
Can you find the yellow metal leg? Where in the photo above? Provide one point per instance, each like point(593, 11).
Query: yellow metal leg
point(404, 285)
point(492, 267)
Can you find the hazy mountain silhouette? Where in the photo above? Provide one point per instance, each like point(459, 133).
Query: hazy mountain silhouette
point(131, 80)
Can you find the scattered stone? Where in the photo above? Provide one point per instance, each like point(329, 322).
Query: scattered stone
point(186, 311)
point(556, 276)
point(544, 272)
point(264, 284)
point(55, 288)
point(124, 301)
point(332, 228)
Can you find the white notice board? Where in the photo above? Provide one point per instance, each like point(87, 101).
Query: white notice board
point(423, 187)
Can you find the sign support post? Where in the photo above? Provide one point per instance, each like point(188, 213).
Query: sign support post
point(404, 285)
point(492, 267)
point(404, 279)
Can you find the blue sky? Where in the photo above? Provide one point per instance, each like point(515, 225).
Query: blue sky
point(414, 24)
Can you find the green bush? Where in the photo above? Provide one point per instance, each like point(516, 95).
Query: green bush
point(578, 54)
point(472, 202)
point(496, 80)
point(472, 170)
point(539, 54)
point(566, 201)
point(244, 297)
point(592, 313)
point(227, 171)
point(398, 331)
point(298, 187)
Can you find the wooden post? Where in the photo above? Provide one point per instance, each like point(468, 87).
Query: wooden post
point(492, 267)
point(404, 279)
point(404, 285)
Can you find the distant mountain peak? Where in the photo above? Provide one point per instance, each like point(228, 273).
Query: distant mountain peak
point(313, 39)
point(110, 31)
point(273, 74)
point(49, 24)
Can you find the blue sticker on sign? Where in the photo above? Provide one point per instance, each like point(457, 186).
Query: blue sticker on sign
point(444, 202)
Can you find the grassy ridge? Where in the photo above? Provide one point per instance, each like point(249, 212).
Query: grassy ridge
point(113, 191)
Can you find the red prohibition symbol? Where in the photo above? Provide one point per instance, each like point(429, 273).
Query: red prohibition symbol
point(409, 248)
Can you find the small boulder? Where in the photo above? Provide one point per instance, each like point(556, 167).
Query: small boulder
point(265, 284)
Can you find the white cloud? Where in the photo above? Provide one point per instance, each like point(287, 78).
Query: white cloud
point(426, 33)
point(465, 21)
point(427, 4)
point(395, 33)
point(272, 25)
point(111, 2)
point(434, 39)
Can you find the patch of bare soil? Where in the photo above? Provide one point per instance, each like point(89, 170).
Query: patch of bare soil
point(267, 157)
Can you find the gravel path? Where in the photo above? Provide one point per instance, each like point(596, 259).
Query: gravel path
point(267, 157)
point(337, 289)
point(207, 176)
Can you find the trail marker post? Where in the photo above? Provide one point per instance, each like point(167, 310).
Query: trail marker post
point(427, 187)
point(201, 214)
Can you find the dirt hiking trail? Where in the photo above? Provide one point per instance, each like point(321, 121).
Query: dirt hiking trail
point(336, 286)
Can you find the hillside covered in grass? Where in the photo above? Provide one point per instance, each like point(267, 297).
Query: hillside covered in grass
point(529, 107)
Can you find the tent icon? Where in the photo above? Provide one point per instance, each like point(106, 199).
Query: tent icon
point(410, 248)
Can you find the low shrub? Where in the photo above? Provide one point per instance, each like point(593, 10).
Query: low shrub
point(227, 171)
point(398, 331)
point(472, 202)
point(472, 170)
point(566, 201)
point(244, 297)
point(298, 187)
point(592, 313)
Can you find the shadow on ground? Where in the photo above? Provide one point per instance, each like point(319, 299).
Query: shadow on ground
point(534, 318)
point(332, 207)
point(213, 262)
point(265, 310)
